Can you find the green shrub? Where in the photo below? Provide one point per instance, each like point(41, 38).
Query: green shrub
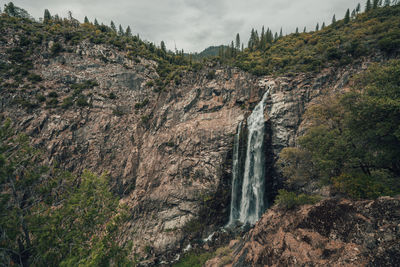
point(40, 98)
point(211, 75)
point(52, 103)
point(358, 186)
point(194, 259)
point(112, 96)
point(56, 49)
point(290, 200)
point(53, 94)
point(81, 101)
point(67, 102)
point(34, 78)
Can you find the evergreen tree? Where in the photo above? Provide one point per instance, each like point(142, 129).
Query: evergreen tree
point(334, 20)
point(121, 30)
point(281, 33)
point(387, 3)
point(10, 9)
point(368, 6)
point(375, 4)
point(358, 8)
point(96, 23)
point(128, 32)
point(86, 20)
point(323, 26)
point(317, 27)
point(276, 36)
point(237, 41)
point(163, 47)
point(46, 16)
point(242, 47)
point(305, 29)
point(113, 28)
point(353, 14)
point(347, 16)
point(297, 30)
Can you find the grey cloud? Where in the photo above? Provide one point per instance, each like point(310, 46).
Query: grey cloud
point(196, 24)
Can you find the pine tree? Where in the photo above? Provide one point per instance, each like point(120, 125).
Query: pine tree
point(317, 27)
point(276, 36)
point(297, 30)
point(375, 4)
point(242, 47)
point(368, 6)
point(387, 3)
point(281, 33)
point(358, 8)
point(237, 41)
point(334, 20)
point(120, 30)
point(96, 23)
point(128, 32)
point(323, 26)
point(163, 47)
point(353, 14)
point(347, 16)
point(305, 29)
point(46, 16)
point(86, 20)
point(113, 28)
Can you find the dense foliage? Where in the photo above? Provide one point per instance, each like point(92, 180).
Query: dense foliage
point(49, 217)
point(354, 141)
point(341, 43)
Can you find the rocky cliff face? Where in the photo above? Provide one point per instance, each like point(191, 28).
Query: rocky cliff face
point(332, 233)
point(167, 153)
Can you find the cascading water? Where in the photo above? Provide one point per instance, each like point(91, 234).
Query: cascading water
point(247, 203)
point(235, 199)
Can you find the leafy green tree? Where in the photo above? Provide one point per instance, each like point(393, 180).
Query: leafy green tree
point(46, 16)
point(347, 16)
point(13, 11)
point(354, 141)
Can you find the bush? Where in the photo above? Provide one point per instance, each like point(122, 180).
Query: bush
point(360, 186)
point(56, 49)
point(211, 75)
point(67, 102)
point(112, 96)
point(290, 200)
point(34, 78)
point(53, 94)
point(194, 259)
point(82, 101)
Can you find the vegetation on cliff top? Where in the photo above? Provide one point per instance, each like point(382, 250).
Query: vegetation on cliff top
point(343, 42)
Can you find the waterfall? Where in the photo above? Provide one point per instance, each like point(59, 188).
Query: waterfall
point(247, 203)
point(235, 199)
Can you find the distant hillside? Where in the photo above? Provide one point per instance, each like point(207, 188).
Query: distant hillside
point(212, 51)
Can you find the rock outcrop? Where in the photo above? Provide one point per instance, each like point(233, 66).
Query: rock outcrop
point(168, 152)
point(334, 232)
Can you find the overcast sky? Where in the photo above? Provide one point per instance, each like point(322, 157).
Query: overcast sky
point(193, 25)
